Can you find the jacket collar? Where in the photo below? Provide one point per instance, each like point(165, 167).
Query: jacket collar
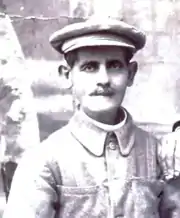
point(93, 135)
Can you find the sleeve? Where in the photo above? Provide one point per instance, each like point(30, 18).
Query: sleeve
point(169, 162)
point(169, 156)
point(33, 193)
point(170, 198)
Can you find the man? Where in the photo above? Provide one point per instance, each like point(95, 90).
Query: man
point(100, 164)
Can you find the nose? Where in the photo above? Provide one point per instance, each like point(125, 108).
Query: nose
point(103, 77)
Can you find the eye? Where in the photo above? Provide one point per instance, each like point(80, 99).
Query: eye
point(90, 67)
point(116, 65)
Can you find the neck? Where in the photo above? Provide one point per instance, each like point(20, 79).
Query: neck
point(111, 117)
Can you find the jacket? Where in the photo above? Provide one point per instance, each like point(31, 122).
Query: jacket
point(88, 170)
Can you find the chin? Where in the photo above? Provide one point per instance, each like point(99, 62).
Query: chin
point(101, 107)
point(98, 104)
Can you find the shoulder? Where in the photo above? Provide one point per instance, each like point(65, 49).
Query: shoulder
point(57, 137)
point(169, 155)
point(143, 134)
point(39, 160)
point(169, 137)
point(45, 150)
point(170, 143)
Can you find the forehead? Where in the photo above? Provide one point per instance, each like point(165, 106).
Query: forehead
point(101, 52)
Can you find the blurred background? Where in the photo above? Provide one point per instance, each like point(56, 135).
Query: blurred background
point(154, 98)
point(25, 27)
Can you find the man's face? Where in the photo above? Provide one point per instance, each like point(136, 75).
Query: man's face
point(100, 77)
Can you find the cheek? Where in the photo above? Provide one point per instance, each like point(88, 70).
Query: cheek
point(83, 84)
point(119, 81)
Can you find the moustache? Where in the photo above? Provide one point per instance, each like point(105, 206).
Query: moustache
point(103, 92)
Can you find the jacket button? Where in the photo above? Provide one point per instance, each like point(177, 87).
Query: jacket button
point(112, 146)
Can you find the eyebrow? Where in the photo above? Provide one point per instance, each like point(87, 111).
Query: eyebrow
point(88, 62)
point(97, 62)
point(116, 60)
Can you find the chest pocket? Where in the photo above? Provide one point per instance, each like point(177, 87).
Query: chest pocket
point(142, 198)
point(143, 193)
point(81, 201)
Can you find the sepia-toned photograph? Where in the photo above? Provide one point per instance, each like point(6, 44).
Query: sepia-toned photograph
point(90, 109)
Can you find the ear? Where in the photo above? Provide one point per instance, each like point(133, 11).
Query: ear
point(64, 73)
point(64, 70)
point(132, 69)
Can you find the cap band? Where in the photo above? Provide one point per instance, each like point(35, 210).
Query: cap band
point(96, 40)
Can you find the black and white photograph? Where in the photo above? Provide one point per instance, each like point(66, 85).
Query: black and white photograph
point(90, 109)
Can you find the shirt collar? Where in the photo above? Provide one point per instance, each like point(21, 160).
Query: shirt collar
point(93, 135)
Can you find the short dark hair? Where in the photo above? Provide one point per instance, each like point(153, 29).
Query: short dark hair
point(175, 126)
point(71, 57)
